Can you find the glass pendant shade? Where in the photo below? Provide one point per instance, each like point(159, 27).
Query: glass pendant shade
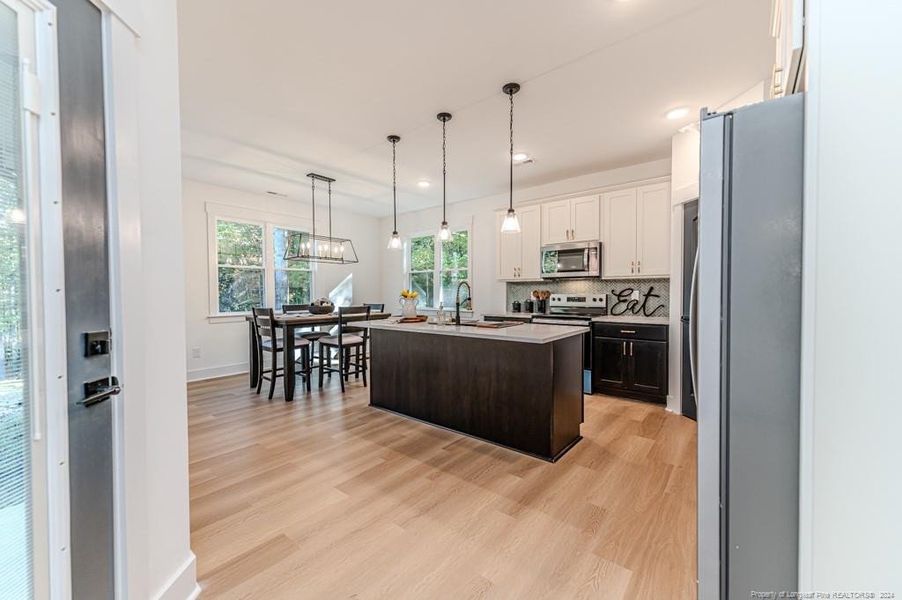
point(511, 223)
point(394, 243)
point(444, 233)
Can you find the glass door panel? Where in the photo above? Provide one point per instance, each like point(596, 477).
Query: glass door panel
point(16, 567)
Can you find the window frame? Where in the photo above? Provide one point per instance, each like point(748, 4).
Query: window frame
point(269, 222)
point(437, 269)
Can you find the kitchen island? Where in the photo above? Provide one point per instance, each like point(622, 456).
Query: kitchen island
point(518, 387)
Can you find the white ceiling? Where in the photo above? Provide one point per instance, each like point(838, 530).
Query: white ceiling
point(272, 90)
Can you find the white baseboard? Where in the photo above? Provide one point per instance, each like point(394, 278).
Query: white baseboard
point(673, 404)
point(183, 583)
point(214, 372)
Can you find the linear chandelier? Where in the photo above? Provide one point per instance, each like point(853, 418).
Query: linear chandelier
point(320, 248)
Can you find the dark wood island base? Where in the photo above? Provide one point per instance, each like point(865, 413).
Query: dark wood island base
point(523, 396)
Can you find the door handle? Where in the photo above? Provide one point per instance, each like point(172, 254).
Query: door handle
point(631, 348)
point(624, 349)
point(100, 390)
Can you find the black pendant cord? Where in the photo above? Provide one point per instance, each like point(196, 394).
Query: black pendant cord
point(511, 206)
point(444, 177)
point(313, 204)
point(394, 183)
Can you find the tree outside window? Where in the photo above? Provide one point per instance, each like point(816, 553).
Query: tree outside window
point(422, 268)
point(436, 268)
point(294, 279)
point(239, 250)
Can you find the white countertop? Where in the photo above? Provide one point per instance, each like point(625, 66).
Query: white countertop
point(527, 332)
point(638, 320)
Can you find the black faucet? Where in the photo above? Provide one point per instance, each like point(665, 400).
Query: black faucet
point(458, 302)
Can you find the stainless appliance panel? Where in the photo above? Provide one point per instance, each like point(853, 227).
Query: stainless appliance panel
point(575, 259)
point(711, 195)
point(764, 347)
point(748, 343)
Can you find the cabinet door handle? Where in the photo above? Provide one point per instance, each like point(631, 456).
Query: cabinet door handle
point(638, 266)
point(632, 266)
point(631, 348)
point(624, 349)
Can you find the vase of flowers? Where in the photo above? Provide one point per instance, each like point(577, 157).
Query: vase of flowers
point(409, 301)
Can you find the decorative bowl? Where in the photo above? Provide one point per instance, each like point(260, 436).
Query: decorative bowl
point(320, 309)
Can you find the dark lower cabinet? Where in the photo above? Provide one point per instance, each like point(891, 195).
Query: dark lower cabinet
point(627, 365)
point(611, 368)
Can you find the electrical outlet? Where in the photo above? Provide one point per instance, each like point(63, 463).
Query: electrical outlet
point(195, 352)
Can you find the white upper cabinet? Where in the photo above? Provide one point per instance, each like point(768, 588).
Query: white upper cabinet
point(519, 254)
point(584, 219)
point(570, 220)
point(637, 232)
point(653, 230)
point(531, 242)
point(556, 222)
point(619, 248)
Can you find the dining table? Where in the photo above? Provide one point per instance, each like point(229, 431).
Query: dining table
point(289, 323)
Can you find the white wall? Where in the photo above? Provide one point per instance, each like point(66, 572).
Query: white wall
point(223, 342)
point(851, 479)
point(148, 289)
point(488, 292)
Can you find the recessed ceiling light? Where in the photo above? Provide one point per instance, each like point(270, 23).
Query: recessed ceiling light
point(677, 113)
point(423, 183)
point(521, 156)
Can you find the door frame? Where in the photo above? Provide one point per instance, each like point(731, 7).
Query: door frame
point(42, 164)
point(46, 302)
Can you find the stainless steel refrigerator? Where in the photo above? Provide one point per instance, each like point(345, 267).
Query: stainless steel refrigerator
point(746, 348)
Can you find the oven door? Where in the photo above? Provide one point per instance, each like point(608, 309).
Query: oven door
point(570, 260)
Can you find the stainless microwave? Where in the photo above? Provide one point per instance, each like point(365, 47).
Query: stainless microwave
point(573, 259)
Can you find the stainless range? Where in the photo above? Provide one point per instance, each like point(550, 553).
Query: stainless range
point(576, 310)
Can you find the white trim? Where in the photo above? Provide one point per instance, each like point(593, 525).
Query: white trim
point(182, 585)
point(51, 320)
point(809, 306)
point(269, 221)
point(675, 307)
point(217, 372)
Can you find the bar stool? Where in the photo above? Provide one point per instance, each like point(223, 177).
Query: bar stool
point(269, 341)
point(346, 342)
point(356, 329)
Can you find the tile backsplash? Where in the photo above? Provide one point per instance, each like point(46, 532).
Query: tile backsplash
point(523, 291)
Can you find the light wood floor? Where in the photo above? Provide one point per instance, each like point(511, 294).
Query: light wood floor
point(328, 498)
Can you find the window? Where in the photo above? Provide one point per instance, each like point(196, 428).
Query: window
point(435, 268)
point(239, 259)
point(422, 268)
point(294, 280)
point(250, 269)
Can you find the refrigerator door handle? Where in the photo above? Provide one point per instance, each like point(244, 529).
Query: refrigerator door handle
point(693, 327)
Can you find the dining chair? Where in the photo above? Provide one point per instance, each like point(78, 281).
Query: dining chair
point(312, 336)
point(269, 342)
point(345, 343)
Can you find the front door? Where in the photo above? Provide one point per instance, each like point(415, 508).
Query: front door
point(85, 224)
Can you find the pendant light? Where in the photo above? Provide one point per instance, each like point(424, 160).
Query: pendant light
point(444, 233)
point(319, 248)
point(511, 223)
point(394, 243)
